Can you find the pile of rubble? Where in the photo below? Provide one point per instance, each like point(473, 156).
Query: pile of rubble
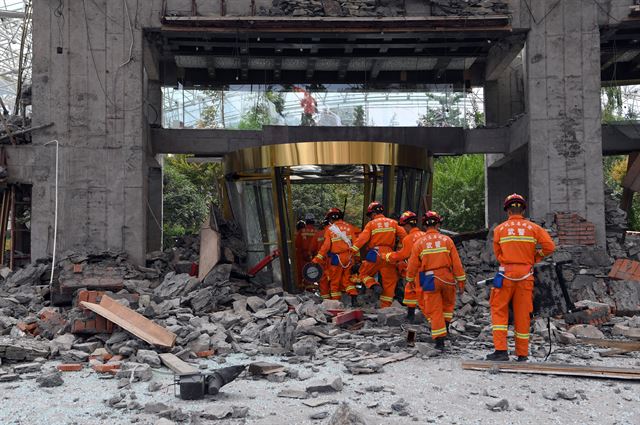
point(359, 8)
point(469, 7)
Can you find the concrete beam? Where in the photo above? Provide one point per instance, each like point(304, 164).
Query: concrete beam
point(617, 139)
point(501, 55)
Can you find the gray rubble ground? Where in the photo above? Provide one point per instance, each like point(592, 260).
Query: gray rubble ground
point(432, 390)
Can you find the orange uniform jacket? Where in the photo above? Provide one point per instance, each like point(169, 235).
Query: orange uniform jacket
point(381, 231)
point(334, 243)
point(305, 239)
point(435, 252)
point(318, 240)
point(407, 245)
point(515, 245)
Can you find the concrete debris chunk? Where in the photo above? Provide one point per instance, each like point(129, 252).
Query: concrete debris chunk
point(334, 386)
point(149, 357)
point(344, 415)
point(27, 368)
point(499, 406)
point(23, 349)
point(50, 380)
point(293, 394)
point(586, 331)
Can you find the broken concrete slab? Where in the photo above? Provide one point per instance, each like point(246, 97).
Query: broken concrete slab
point(49, 380)
point(178, 366)
point(322, 387)
point(265, 368)
point(132, 322)
point(299, 394)
point(23, 349)
point(149, 357)
point(586, 331)
point(344, 415)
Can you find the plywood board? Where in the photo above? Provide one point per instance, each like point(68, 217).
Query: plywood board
point(210, 251)
point(556, 369)
point(132, 322)
point(612, 343)
point(177, 365)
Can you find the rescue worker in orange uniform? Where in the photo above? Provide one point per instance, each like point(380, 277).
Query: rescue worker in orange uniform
point(380, 234)
point(518, 244)
point(338, 239)
point(318, 240)
point(409, 221)
point(435, 265)
point(304, 245)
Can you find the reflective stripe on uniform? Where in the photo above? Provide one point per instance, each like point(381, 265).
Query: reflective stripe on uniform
point(339, 239)
point(528, 239)
point(367, 279)
point(383, 229)
point(409, 302)
point(325, 296)
point(383, 298)
point(336, 294)
point(320, 257)
point(438, 332)
point(349, 288)
point(500, 327)
point(461, 278)
point(355, 249)
point(430, 251)
point(410, 279)
point(448, 315)
point(522, 336)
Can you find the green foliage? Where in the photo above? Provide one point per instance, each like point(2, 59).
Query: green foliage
point(256, 118)
point(317, 199)
point(209, 115)
point(185, 207)
point(204, 176)
point(458, 191)
point(446, 114)
point(615, 168)
point(277, 98)
point(358, 116)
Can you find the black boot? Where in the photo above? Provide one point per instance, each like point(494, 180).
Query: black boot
point(498, 356)
point(523, 359)
point(354, 301)
point(440, 344)
point(411, 314)
point(447, 325)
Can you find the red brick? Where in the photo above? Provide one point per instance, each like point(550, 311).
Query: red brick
point(70, 367)
point(348, 316)
point(625, 270)
point(208, 353)
point(106, 368)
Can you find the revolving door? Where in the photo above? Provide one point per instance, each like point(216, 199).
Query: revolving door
point(263, 184)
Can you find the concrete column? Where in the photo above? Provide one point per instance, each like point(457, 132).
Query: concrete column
point(504, 99)
point(154, 211)
point(563, 106)
point(86, 82)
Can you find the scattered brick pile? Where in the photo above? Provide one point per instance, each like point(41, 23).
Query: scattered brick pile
point(574, 230)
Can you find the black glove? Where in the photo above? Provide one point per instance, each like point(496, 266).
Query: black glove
point(355, 269)
point(377, 289)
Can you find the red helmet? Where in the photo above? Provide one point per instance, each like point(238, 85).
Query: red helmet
point(408, 217)
point(515, 200)
point(375, 208)
point(333, 213)
point(431, 218)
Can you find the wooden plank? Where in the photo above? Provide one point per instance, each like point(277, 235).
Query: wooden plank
point(611, 343)
point(614, 352)
point(556, 369)
point(177, 365)
point(397, 357)
point(209, 251)
point(132, 322)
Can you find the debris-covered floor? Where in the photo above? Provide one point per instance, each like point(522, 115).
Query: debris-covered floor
point(431, 390)
point(66, 358)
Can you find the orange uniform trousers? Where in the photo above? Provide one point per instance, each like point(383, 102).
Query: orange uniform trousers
point(520, 295)
point(340, 276)
point(324, 286)
point(388, 273)
point(438, 305)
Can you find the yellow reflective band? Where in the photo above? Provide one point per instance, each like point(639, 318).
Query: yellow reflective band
point(409, 302)
point(355, 249)
point(522, 336)
point(386, 257)
point(367, 279)
point(433, 251)
point(349, 288)
point(438, 332)
point(319, 257)
point(383, 229)
point(528, 239)
point(410, 279)
point(383, 298)
point(325, 296)
point(448, 315)
point(500, 327)
point(336, 294)
point(461, 278)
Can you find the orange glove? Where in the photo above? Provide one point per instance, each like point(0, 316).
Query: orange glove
point(316, 260)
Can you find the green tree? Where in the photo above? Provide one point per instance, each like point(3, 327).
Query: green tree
point(458, 191)
point(209, 117)
point(257, 117)
point(318, 198)
point(447, 113)
point(358, 116)
point(203, 175)
point(185, 208)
